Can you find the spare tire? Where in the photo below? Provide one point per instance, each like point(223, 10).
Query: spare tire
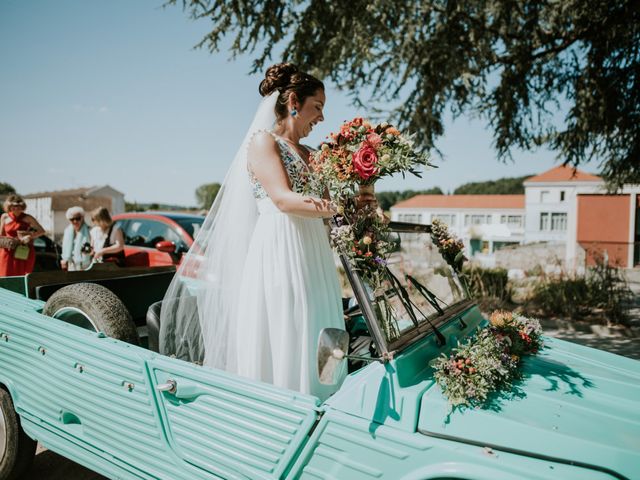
point(93, 307)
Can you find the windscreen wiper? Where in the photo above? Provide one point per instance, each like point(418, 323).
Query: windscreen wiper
point(410, 304)
point(426, 293)
point(402, 294)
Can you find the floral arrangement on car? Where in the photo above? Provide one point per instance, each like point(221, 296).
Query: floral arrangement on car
point(450, 247)
point(489, 361)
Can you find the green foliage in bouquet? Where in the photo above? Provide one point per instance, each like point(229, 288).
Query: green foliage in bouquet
point(489, 361)
point(362, 235)
point(361, 153)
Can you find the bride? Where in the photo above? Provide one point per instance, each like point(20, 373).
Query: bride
point(260, 283)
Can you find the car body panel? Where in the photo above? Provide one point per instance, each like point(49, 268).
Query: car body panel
point(560, 408)
point(348, 447)
point(94, 400)
point(390, 393)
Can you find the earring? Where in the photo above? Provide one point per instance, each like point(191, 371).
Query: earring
point(294, 112)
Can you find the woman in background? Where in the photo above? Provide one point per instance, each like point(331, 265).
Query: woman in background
point(17, 231)
point(76, 243)
point(107, 239)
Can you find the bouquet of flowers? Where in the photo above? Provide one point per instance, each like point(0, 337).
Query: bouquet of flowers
point(351, 161)
point(489, 361)
point(361, 153)
point(450, 247)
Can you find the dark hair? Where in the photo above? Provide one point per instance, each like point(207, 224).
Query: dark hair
point(286, 78)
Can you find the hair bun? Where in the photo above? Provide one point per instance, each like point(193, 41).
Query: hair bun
point(277, 77)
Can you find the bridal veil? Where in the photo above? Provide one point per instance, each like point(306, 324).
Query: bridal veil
point(204, 294)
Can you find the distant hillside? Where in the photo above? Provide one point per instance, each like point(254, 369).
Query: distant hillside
point(387, 199)
point(141, 207)
point(502, 186)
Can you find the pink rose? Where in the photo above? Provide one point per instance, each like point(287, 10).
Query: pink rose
point(374, 140)
point(364, 161)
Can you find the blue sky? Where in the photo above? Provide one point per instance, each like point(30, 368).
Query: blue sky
point(95, 92)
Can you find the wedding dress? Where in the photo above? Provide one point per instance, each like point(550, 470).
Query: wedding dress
point(257, 285)
point(290, 292)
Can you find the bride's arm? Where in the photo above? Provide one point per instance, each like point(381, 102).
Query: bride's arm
point(266, 164)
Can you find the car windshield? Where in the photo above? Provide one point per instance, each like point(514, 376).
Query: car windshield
point(191, 225)
point(420, 289)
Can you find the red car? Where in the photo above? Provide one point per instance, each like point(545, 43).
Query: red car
point(157, 238)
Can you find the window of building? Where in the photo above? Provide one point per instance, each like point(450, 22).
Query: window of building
point(562, 196)
point(554, 222)
point(477, 219)
point(512, 220)
point(410, 217)
point(448, 219)
point(558, 222)
point(545, 196)
point(544, 221)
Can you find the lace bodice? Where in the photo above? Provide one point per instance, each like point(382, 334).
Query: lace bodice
point(296, 169)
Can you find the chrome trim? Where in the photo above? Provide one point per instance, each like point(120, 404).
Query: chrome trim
point(170, 387)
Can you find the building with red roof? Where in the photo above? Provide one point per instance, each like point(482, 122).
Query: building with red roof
point(560, 206)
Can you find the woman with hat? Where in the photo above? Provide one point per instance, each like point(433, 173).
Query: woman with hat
point(17, 231)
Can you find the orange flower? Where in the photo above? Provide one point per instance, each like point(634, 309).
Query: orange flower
point(392, 131)
point(500, 317)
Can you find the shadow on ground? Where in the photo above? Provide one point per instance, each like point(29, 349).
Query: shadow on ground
point(51, 466)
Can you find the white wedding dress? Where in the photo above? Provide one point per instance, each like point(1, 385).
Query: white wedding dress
point(289, 292)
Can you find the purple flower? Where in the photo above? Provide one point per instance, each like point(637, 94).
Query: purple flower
point(380, 261)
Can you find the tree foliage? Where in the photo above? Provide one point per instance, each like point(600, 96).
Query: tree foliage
point(6, 188)
point(563, 73)
point(502, 186)
point(206, 194)
point(387, 199)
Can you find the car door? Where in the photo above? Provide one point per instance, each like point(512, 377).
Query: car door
point(230, 426)
point(141, 238)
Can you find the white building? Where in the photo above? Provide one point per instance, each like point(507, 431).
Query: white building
point(484, 222)
point(561, 206)
point(49, 208)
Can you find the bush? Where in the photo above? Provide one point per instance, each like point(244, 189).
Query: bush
point(490, 286)
point(603, 289)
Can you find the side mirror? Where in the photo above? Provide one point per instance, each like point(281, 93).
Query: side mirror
point(333, 345)
point(166, 246)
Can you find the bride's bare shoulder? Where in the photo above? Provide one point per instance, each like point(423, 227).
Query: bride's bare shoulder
point(262, 139)
point(262, 144)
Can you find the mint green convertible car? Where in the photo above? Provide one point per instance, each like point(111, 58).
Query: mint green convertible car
point(69, 380)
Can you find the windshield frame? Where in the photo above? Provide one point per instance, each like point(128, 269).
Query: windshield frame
point(409, 336)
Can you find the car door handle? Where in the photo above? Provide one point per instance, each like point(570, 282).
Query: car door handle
point(170, 387)
point(183, 390)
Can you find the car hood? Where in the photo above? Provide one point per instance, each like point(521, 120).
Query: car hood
point(574, 405)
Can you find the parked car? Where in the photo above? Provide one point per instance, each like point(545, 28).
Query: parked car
point(129, 412)
point(47, 254)
point(157, 238)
